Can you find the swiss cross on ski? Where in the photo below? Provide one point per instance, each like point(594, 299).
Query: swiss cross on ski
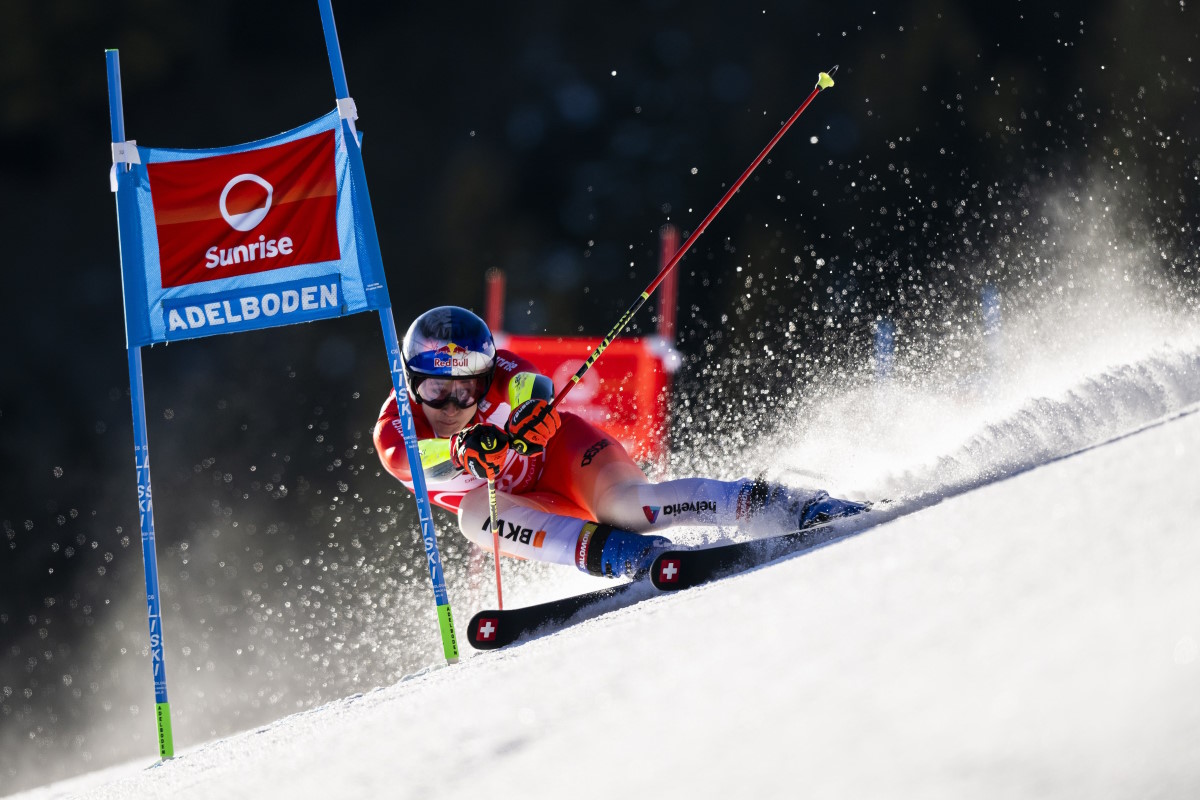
point(486, 629)
point(668, 570)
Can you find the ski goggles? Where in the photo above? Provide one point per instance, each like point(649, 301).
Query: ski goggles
point(462, 392)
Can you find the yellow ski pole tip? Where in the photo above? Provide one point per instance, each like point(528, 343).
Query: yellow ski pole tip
point(825, 79)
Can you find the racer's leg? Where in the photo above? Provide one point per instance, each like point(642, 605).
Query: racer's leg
point(540, 526)
point(591, 468)
point(589, 478)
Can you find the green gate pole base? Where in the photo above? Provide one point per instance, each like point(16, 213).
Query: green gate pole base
point(166, 740)
point(449, 642)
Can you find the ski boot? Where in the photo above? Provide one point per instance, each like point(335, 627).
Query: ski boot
point(822, 508)
point(606, 551)
point(771, 508)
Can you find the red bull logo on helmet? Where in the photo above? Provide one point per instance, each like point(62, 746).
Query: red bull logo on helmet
point(451, 356)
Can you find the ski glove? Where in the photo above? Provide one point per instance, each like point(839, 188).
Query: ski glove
point(531, 425)
point(480, 450)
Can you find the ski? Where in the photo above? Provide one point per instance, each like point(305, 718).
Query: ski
point(675, 570)
point(671, 571)
point(493, 628)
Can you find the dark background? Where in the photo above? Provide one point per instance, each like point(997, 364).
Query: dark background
point(548, 139)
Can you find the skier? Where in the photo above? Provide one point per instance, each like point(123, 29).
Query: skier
point(567, 492)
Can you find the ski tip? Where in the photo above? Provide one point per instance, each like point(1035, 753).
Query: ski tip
point(483, 632)
point(666, 571)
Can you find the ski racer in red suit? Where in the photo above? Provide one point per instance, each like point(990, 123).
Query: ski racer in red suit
point(567, 491)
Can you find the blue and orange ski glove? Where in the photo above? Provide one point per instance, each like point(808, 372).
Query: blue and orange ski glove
point(480, 450)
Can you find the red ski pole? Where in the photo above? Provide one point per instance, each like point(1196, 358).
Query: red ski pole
point(824, 81)
point(495, 523)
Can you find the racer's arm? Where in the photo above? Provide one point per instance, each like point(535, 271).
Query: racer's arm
point(529, 385)
point(524, 383)
point(532, 422)
point(389, 443)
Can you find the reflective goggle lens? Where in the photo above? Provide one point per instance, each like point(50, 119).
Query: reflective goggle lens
point(463, 392)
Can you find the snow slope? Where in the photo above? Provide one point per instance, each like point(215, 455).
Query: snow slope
point(1030, 628)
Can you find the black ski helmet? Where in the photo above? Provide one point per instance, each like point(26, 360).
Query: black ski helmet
point(447, 342)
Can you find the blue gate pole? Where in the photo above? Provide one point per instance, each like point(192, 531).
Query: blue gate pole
point(334, 49)
point(437, 575)
point(141, 458)
point(424, 510)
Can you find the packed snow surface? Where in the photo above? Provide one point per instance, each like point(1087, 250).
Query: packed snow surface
point(1024, 624)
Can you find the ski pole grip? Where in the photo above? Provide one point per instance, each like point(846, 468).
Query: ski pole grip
point(491, 442)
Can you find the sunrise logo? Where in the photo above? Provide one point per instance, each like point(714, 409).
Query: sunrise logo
point(248, 220)
point(241, 213)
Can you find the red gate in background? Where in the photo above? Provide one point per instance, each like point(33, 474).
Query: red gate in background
point(628, 390)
